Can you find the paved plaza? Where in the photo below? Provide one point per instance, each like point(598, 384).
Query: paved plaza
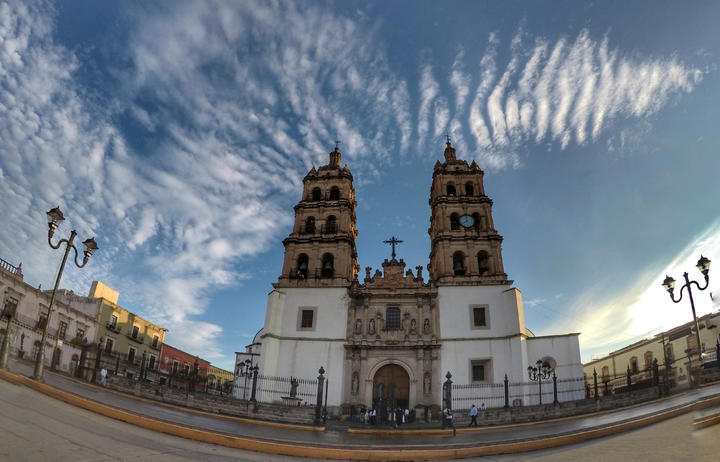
point(38, 428)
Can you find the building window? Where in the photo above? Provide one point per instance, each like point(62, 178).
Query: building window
point(155, 341)
point(10, 306)
point(186, 369)
point(109, 345)
point(176, 366)
point(469, 190)
point(480, 370)
point(62, 330)
point(483, 262)
point(392, 318)
point(328, 265)
point(309, 225)
point(451, 190)
point(41, 321)
point(151, 362)
point(113, 321)
point(479, 317)
point(648, 359)
point(459, 264)
point(307, 318)
point(634, 365)
point(605, 374)
point(334, 193)
point(330, 225)
point(454, 222)
point(316, 194)
point(302, 266)
point(135, 332)
point(131, 354)
point(80, 333)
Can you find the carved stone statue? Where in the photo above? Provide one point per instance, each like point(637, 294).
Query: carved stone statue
point(355, 384)
point(371, 327)
point(426, 326)
point(358, 326)
point(293, 387)
point(413, 326)
point(427, 383)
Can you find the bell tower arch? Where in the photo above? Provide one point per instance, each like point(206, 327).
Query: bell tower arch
point(465, 247)
point(320, 251)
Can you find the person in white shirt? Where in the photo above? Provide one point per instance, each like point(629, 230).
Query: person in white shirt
point(473, 416)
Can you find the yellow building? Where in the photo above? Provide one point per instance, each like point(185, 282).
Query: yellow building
point(129, 343)
point(219, 379)
point(677, 346)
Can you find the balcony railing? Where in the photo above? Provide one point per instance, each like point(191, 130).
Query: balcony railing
point(113, 326)
point(137, 338)
point(156, 345)
point(7, 266)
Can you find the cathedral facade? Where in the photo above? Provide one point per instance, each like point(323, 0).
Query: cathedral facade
point(394, 331)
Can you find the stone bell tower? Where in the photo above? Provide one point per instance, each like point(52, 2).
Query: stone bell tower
point(465, 247)
point(320, 251)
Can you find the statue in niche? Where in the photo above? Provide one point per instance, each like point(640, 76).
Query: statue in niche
point(293, 387)
point(355, 383)
point(358, 327)
point(427, 383)
point(413, 326)
point(371, 327)
point(426, 326)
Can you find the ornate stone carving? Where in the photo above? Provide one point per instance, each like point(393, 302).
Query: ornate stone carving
point(426, 326)
point(371, 327)
point(358, 326)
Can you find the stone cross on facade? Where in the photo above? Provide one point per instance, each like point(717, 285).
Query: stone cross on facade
point(393, 242)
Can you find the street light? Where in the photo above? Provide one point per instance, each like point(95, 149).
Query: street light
point(540, 372)
point(245, 368)
point(55, 216)
point(669, 284)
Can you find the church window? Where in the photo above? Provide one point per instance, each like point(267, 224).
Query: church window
point(334, 193)
point(459, 264)
point(302, 266)
point(316, 194)
point(328, 265)
point(479, 317)
point(483, 262)
point(306, 318)
point(451, 190)
point(392, 318)
point(633, 365)
point(454, 222)
point(309, 225)
point(469, 189)
point(330, 225)
point(480, 370)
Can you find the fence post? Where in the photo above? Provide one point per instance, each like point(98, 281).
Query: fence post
point(595, 387)
point(319, 403)
point(555, 400)
point(507, 394)
point(447, 391)
point(629, 381)
point(655, 372)
point(254, 383)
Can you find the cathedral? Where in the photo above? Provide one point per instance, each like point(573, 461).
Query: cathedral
point(398, 329)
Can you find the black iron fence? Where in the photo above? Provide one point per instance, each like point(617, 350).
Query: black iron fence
point(515, 394)
point(271, 389)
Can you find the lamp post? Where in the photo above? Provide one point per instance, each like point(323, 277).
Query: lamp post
point(540, 372)
point(244, 368)
point(703, 265)
point(55, 216)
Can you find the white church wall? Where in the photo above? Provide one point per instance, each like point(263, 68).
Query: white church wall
point(564, 349)
point(455, 309)
point(501, 356)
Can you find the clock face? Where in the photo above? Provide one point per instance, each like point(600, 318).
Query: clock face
point(467, 221)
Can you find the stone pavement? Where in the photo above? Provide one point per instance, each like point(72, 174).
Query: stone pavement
point(391, 440)
point(38, 428)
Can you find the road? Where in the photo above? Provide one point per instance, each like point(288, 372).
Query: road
point(38, 428)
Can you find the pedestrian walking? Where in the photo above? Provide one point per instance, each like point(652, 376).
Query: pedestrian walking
point(103, 377)
point(473, 416)
point(448, 419)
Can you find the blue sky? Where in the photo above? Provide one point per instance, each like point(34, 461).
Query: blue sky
point(178, 134)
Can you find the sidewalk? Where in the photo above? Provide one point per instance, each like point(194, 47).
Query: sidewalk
point(389, 444)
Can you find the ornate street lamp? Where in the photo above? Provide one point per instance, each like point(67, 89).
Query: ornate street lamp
point(703, 265)
point(540, 372)
point(55, 216)
point(245, 368)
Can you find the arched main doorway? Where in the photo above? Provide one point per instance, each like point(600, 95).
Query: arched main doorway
point(391, 381)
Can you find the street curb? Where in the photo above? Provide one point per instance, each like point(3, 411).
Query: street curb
point(707, 421)
point(290, 449)
point(247, 420)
